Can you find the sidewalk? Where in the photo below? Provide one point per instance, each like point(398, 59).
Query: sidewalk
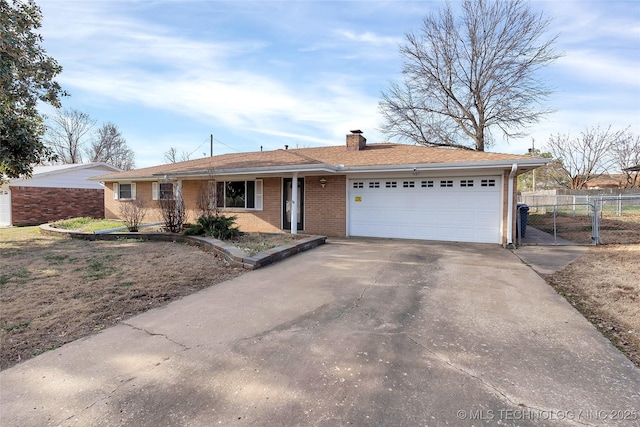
point(534, 236)
point(546, 254)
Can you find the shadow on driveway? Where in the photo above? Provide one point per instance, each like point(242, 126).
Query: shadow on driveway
point(357, 331)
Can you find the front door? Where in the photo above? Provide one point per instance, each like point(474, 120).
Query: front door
point(286, 206)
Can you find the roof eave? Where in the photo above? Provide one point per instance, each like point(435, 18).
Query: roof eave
point(524, 164)
point(527, 164)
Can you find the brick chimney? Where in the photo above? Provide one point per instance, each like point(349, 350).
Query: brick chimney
point(355, 141)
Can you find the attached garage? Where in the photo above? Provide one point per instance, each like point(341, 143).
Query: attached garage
point(460, 209)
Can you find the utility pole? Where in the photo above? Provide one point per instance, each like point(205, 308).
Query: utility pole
point(211, 155)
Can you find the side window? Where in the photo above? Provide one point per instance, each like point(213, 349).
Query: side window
point(162, 191)
point(124, 191)
point(166, 190)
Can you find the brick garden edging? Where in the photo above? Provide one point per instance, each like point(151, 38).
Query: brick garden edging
point(232, 254)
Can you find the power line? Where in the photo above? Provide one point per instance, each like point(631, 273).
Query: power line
point(217, 141)
point(228, 146)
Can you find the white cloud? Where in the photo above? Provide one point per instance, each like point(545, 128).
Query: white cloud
point(301, 74)
point(369, 38)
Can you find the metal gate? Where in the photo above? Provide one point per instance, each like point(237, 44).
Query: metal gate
point(580, 220)
point(568, 224)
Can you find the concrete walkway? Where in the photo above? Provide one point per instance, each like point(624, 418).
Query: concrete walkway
point(546, 253)
point(535, 236)
point(355, 332)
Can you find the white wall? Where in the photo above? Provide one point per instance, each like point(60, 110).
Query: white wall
point(67, 178)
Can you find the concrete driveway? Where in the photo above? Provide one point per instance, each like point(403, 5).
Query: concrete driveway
point(356, 332)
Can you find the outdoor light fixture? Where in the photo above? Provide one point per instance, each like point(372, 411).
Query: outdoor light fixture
point(323, 182)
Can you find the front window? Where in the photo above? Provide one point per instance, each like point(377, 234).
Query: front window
point(166, 191)
point(124, 191)
point(237, 194)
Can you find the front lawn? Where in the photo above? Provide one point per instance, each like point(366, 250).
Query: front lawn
point(54, 290)
point(604, 285)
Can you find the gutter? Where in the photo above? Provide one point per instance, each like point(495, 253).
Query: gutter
point(512, 174)
point(324, 168)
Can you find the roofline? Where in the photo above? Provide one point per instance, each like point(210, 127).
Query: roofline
point(496, 164)
point(265, 170)
point(72, 166)
point(332, 169)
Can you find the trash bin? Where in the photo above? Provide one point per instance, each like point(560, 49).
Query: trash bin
point(524, 217)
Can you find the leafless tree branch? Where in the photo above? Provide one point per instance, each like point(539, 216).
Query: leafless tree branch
point(66, 133)
point(464, 76)
point(109, 146)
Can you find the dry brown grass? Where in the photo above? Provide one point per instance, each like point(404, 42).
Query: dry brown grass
point(54, 290)
point(604, 285)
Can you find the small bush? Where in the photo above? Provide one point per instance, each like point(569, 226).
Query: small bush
point(173, 214)
point(133, 212)
point(220, 227)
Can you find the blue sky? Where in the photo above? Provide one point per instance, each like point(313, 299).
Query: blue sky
point(302, 73)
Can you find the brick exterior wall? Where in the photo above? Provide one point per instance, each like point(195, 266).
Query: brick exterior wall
point(324, 208)
point(39, 205)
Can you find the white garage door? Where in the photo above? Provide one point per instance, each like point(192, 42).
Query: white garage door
point(453, 209)
point(5, 207)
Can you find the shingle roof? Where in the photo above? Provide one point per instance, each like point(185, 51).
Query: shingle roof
point(383, 154)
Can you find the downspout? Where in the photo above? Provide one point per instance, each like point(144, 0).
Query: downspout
point(512, 174)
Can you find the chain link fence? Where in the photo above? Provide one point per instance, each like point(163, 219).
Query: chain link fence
point(578, 219)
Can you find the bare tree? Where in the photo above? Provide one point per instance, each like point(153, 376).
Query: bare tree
point(626, 154)
point(171, 156)
point(133, 212)
point(173, 213)
point(109, 146)
point(464, 76)
point(587, 156)
point(207, 201)
point(66, 133)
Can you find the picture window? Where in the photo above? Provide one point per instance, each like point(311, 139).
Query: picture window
point(239, 194)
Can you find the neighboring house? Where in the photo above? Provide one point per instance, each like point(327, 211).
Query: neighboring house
point(606, 181)
point(53, 193)
point(377, 190)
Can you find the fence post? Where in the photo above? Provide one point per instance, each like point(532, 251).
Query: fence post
point(595, 227)
point(619, 211)
point(555, 227)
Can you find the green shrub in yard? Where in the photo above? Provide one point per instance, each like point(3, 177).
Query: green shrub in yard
point(219, 226)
